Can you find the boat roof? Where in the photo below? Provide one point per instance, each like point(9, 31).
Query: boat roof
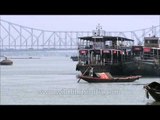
point(105, 38)
point(151, 38)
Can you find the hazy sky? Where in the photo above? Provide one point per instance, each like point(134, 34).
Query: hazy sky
point(84, 22)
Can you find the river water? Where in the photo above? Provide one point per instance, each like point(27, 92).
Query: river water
point(50, 79)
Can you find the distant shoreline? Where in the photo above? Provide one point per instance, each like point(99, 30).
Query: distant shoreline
point(13, 50)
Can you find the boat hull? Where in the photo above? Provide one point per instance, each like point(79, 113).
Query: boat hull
point(141, 68)
point(154, 90)
point(117, 79)
point(128, 68)
point(113, 69)
point(6, 62)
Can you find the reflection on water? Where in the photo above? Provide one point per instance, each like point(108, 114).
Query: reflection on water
point(52, 80)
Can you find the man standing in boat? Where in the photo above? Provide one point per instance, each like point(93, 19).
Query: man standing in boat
point(91, 72)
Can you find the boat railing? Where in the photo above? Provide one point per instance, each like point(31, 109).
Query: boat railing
point(87, 61)
point(103, 47)
point(85, 46)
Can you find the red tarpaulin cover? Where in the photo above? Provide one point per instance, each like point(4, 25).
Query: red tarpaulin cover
point(146, 49)
point(83, 52)
point(106, 51)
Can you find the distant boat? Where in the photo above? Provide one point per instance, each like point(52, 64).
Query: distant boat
point(6, 61)
point(74, 58)
point(154, 90)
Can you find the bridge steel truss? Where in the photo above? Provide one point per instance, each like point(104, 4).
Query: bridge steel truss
point(14, 36)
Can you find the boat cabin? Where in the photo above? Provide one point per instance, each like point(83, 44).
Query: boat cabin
point(152, 42)
point(102, 49)
point(151, 48)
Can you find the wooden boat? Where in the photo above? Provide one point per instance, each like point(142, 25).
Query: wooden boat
point(154, 90)
point(74, 58)
point(108, 79)
point(6, 61)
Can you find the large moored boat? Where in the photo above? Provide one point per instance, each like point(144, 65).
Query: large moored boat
point(118, 55)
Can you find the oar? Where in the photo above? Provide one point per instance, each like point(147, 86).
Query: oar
point(147, 94)
point(146, 91)
point(84, 73)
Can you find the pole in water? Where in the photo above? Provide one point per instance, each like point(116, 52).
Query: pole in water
point(83, 74)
